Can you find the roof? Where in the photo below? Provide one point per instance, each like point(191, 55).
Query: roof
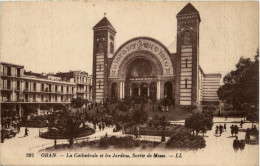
point(189, 9)
point(11, 64)
point(104, 23)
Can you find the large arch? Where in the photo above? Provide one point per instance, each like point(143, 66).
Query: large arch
point(145, 47)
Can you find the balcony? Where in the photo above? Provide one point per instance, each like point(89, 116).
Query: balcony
point(31, 91)
point(81, 91)
point(8, 88)
point(81, 83)
point(10, 75)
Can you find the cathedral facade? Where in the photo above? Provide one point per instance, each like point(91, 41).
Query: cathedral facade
point(143, 66)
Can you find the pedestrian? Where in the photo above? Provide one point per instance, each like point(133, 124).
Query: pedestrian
point(236, 143)
point(241, 123)
point(18, 127)
point(247, 137)
point(216, 131)
point(236, 129)
point(220, 129)
point(103, 126)
point(226, 118)
point(26, 132)
point(232, 130)
point(99, 126)
point(225, 127)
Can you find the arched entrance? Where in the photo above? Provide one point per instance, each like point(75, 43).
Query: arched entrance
point(153, 91)
point(140, 66)
point(168, 90)
point(114, 91)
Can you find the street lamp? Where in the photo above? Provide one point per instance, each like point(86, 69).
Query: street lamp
point(55, 140)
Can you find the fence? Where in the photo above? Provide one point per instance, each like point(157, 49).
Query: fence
point(94, 138)
point(37, 124)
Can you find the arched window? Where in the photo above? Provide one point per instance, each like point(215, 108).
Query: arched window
point(111, 48)
point(186, 62)
point(187, 37)
point(186, 83)
point(100, 46)
point(99, 83)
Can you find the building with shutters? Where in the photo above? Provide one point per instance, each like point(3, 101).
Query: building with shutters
point(20, 88)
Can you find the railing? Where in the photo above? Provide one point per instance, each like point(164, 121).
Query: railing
point(37, 124)
point(93, 138)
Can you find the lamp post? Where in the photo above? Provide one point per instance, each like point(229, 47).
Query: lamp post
point(55, 140)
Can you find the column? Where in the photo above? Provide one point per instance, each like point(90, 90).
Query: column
point(148, 89)
point(120, 90)
point(139, 91)
point(158, 90)
point(123, 89)
point(130, 91)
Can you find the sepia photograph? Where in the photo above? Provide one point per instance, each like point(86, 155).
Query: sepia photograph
point(129, 83)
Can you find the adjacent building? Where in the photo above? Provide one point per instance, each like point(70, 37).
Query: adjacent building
point(83, 82)
point(19, 87)
point(209, 85)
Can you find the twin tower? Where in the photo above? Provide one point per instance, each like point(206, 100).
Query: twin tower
point(144, 67)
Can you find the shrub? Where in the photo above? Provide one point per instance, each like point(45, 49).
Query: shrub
point(121, 106)
point(121, 142)
point(125, 142)
point(137, 143)
point(113, 140)
point(104, 142)
point(185, 140)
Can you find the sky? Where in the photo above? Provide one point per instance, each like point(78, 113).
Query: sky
point(58, 36)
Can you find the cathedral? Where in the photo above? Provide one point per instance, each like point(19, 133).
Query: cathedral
point(143, 66)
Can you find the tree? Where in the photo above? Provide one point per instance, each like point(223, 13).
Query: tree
point(68, 124)
point(208, 113)
point(78, 102)
point(196, 122)
point(241, 86)
point(59, 107)
point(139, 116)
point(252, 115)
point(29, 108)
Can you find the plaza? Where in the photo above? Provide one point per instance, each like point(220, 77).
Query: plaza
point(218, 150)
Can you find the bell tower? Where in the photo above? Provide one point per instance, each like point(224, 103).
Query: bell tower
point(187, 62)
point(103, 49)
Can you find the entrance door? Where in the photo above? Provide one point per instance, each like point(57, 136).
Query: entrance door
point(114, 91)
point(153, 91)
point(168, 90)
point(144, 90)
point(134, 90)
